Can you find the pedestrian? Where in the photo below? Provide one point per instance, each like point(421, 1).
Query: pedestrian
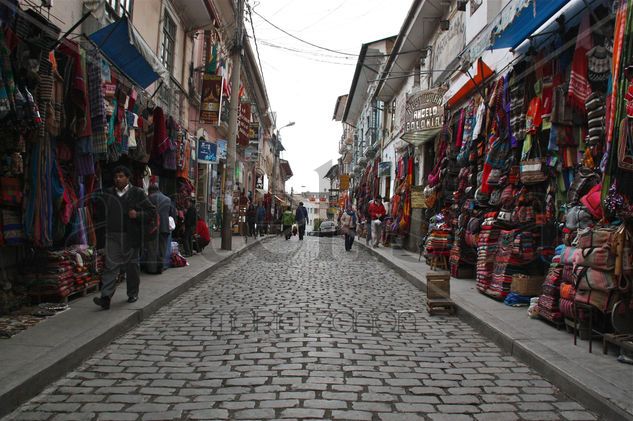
point(301, 216)
point(251, 217)
point(377, 213)
point(367, 220)
point(348, 226)
point(287, 219)
point(191, 219)
point(203, 236)
point(128, 213)
point(261, 216)
point(165, 209)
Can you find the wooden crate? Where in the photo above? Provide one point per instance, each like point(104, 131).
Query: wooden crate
point(438, 294)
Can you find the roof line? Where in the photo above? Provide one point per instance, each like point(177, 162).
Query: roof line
point(399, 42)
point(359, 66)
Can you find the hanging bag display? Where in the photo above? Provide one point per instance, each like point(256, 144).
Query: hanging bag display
point(625, 145)
point(533, 170)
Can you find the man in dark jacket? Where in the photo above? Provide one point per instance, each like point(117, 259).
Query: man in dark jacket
point(261, 216)
point(128, 214)
point(165, 209)
point(301, 216)
point(191, 219)
point(251, 217)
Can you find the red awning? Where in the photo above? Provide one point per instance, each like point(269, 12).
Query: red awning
point(483, 72)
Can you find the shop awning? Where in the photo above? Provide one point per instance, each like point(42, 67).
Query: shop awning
point(481, 72)
point(124, 46)
point(520, 18)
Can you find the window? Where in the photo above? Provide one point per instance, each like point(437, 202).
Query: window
point(119, 8)
point(169, 42)
point(393, 114)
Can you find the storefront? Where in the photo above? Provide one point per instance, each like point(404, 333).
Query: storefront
point(531, 191)
point(63, 134)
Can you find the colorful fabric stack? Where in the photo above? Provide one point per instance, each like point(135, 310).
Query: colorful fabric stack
point(567, 289)
point(85, 267)
point(487, 250)
point(548, 304)
point(54, 279)
point(499, 287)
point(438, 242)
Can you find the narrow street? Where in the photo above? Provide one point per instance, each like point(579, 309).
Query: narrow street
point(301, 330)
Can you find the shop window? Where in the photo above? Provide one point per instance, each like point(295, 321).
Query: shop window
point(169, 42)
point(119, 8)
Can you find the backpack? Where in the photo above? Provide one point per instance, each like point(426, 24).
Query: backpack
point(584, 181)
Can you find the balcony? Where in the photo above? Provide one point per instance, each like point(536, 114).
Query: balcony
point(195, 13)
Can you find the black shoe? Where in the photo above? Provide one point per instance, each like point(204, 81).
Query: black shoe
point(132, 299)
point(103, 302)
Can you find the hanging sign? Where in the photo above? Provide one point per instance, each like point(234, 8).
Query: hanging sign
point(251, 154)
point(253, 132)
point(417, 197)
point(259, 182)
point(207, 152)
point(244, 122)
point(221, 144)
point(211, 99)
point(424, 110)
point(384, 168)
point(344, 182)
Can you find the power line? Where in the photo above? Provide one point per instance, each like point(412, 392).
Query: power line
point(331, 50)
point(283, 47)
point(259, 60)
point(301, 40)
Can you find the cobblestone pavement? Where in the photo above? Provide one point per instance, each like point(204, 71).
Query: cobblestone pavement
point(302, 330)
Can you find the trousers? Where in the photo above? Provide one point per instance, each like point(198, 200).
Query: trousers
point(120, 257)
point(376, 231)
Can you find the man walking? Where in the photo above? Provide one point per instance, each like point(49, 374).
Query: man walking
point(348, 224)
point(191, 220)
point(377, 212)
point(287, 219)
point(165, 209)
point(301, 216)
point(261, 216)
point(367, 221)
point(251, 218)
point(127, 212)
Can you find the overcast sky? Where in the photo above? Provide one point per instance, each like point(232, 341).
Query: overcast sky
point(303, 85)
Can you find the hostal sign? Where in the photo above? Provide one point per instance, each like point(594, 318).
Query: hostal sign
point(424, 111)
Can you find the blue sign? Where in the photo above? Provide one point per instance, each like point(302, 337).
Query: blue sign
point(221, 149)
point(207, 152)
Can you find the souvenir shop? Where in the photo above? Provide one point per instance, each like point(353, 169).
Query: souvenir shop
point(532, 192)
point(69, 114)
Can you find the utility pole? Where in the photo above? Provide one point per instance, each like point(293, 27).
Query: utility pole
point(236, 60)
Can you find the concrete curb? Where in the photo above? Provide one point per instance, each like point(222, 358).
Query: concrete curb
point(605, 409)
point(34, 385)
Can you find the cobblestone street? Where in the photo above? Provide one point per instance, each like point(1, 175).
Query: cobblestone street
point(302, 330)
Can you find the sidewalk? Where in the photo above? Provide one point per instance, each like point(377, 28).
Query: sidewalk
point(36, 357)
point(598, 381)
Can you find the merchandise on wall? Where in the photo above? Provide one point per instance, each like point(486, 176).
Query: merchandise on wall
point(68, 117)
point(533, 175)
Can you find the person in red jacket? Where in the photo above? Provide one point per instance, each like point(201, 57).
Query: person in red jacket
point(376, 212)
point(203, 237)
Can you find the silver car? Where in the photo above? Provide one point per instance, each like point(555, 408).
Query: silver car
point(327, 228)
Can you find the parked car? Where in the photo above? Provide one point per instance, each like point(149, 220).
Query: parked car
point(327, 228)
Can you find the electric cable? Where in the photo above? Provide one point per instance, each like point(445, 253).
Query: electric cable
point(259, 60)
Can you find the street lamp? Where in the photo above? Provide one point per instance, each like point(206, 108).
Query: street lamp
point(277, 151)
